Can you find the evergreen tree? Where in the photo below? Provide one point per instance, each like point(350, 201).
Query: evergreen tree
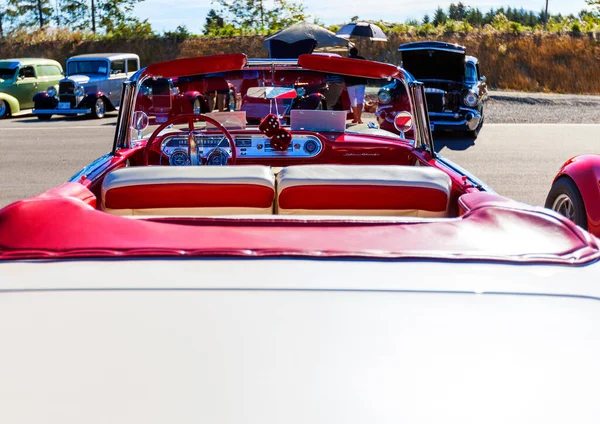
point(214, 23)
point(426, 19)
point(260, 16)
point(32, 12)
point(461, 10)
point(453, 12)
point(74, 14)
point(116, 17)
point(439, 17)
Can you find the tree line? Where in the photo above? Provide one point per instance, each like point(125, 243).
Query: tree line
point(477, 18)
point(104, 16)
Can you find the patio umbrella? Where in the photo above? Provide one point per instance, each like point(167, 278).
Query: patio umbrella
point(301, 38)
point(362, 29)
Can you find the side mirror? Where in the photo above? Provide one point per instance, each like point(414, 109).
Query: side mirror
point(140, 122)
point(483, 79)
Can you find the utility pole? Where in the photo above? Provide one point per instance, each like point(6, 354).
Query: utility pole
point(546, 17)
point(93, 17)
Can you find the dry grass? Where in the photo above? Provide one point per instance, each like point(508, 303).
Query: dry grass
point(526, 62)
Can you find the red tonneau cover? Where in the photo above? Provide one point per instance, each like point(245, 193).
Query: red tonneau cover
point(68, 227)
point(197, 66)
point(345, 66)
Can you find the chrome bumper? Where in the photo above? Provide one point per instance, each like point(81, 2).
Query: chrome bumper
point(464, 119)
point(61, 111)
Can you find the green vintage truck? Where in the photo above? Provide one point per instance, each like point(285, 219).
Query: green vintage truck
point(20, 79)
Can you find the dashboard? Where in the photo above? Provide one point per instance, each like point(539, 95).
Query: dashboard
point(214, 149)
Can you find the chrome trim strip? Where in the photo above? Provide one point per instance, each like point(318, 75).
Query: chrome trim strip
point(89, 169)
point(437, 49)
point(274, 61)
point(456, 168)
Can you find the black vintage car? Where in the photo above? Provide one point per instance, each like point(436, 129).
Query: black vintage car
point(455, 89)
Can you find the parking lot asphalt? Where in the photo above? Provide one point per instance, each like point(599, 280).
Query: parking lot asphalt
point(517, 160)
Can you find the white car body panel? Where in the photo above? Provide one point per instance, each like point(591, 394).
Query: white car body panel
point(296, 341)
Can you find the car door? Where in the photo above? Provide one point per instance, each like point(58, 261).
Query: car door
point(27, 85)
point(118, 74)
point(48, 75)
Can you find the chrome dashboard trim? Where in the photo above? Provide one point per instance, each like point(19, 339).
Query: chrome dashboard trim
point(251, 146)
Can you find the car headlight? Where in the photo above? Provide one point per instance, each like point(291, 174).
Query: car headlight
point(385, 97)
point(471, 100)
point(79, 91)
point(51, 91)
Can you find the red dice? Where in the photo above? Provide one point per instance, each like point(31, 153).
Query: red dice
point(269, 125)
point(281, 140)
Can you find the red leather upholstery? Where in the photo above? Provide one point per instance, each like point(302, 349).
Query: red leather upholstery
point(189, 190)
point(365, 190)
point(182, 195)
point(73, 190)
point(363, 197)
point(470, 201)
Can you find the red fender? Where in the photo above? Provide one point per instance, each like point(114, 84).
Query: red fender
point(584, 170)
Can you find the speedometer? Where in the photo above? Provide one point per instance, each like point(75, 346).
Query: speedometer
point(179, 158)
point(218, 157)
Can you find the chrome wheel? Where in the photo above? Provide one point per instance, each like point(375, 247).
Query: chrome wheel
point(99, 109)
point(564, 206)
point(3, 109)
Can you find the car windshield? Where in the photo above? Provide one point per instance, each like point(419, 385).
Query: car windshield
point(87, 67)
point(7, 73)
point(246, 97)
point(471, 72)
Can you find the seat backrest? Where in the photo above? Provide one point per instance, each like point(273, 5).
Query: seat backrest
point(189, 190)
point(363, 190)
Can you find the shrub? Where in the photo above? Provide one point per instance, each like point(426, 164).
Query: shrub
point(426, 30)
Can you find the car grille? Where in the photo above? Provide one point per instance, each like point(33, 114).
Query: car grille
point(453, 102)
point(435, 102)
point(66, 87)
point(66, 92)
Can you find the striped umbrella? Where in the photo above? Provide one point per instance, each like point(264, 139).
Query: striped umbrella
point(362, 29)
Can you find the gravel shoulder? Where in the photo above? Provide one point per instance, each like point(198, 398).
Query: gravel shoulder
point(506, 107)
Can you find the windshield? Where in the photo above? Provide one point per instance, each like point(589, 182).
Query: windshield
point(7, 73)
point(87, 67)
point(257, 92)
point(471, 73)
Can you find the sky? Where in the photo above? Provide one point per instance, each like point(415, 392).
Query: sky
point(168, 14)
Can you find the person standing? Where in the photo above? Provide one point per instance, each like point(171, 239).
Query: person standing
point(356, 89)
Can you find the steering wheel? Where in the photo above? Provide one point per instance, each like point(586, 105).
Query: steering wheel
point(190, 117)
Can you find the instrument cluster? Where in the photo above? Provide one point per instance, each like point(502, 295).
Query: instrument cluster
point(214, 149)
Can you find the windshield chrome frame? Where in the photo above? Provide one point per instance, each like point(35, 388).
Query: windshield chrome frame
point(423, 136)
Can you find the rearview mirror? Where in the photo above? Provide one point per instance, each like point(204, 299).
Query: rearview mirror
point(403, 121)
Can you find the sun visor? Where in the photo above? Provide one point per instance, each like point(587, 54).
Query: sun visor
point(345, 66)
point(196, 66)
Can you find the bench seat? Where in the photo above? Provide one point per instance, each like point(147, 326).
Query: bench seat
point(363, 190)
point(189, 190)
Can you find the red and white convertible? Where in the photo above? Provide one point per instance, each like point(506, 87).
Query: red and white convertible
point(302, 269)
